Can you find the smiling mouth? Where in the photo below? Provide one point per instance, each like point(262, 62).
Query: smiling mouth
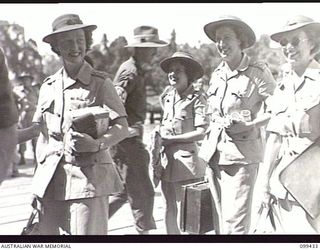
point(292, 55)
point(173, 78)
point(224, 51)
point(75, 54)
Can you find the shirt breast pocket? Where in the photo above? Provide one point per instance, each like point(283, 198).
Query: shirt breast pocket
point(184, 122)
point(51, 118)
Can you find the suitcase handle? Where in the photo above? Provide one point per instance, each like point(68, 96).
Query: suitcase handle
point(197, 183)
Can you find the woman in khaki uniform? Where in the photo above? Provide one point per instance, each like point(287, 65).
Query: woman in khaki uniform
point(183, 124)
point(75, 172)
point(294, 125)
point(232, 146)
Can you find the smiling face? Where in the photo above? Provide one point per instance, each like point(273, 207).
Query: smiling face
point(297, 48)
point(177, 76)
point(228, 44)
point(72, 45)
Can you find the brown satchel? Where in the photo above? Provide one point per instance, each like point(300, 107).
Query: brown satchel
point(196, 215)
point(302, 179)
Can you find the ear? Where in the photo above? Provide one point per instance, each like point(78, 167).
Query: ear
point(314, 48)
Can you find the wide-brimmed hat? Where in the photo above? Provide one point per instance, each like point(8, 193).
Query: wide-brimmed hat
point(65, 23)
point(295, 23)
point(247, 40)
point(146, 36)
point(193, 68)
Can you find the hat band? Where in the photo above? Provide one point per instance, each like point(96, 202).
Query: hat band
point(69, 21)
point(145, 38)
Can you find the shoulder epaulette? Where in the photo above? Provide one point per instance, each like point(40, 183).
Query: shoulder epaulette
point(101, 74)
point(258, 64)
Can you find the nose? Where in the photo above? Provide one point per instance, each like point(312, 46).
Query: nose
point(74, 45)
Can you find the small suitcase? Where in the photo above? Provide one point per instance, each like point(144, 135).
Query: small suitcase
point(301, 179)
point(196, 208)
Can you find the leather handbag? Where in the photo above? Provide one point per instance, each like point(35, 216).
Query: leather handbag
point(32, 227)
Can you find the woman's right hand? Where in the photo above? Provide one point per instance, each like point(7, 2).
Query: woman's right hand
point(267, 198)
point(34, 202)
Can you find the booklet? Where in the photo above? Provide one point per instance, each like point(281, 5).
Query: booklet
point(93, 121)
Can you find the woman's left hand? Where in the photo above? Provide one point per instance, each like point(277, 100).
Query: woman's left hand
point(81, 142)
point(167, 140)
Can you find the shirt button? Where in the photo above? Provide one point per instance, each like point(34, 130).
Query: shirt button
point(58, 115)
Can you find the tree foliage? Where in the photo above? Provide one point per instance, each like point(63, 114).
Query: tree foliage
point(23, 56)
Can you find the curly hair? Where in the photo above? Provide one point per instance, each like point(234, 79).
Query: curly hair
point(88, 37)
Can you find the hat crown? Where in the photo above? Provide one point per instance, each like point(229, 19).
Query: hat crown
point(146, 36)
point(65, 20)
point(145, 31)
point(229, 17)
point(299, 20)
point(182, 54)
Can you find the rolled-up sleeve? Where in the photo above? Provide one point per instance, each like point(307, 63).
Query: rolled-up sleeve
point(266, 83)
point(43, 99)
point(112, 101)
point(200, 118)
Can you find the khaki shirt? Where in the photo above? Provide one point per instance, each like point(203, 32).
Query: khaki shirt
point(230, 92)
point(94, 175)
point(181, 114)
point(130, 85)
point(296, 114)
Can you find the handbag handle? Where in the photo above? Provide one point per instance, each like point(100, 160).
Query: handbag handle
point(32, 216)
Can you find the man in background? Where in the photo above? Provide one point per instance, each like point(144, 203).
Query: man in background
point(130, 155)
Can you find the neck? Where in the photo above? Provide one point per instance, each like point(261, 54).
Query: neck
point(301, 68)
point(72, 69)
point(182, 89)
point(235, 62)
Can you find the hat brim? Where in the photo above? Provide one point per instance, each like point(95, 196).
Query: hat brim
point(210, 30)
point(191, 66)
point(48, 38)
point(278, 35)
point(155, 44)
point(23, 77)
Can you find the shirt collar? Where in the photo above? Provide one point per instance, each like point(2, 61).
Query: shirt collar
point(83, 76)
point(244, 64)
point(188, 92)
point(312, 72)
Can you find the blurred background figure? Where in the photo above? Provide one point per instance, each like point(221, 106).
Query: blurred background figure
point(201, 84)
point(27, 92)
point(8, 121)
point(130, 155)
